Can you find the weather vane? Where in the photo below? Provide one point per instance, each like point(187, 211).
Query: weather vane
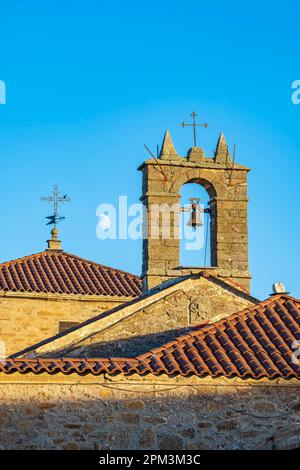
point(194, 125)
point(55, 199)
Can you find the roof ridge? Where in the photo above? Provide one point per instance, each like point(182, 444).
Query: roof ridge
point(87, 277)
point(248, 310)
point(230, 283)
point(59, 252)
point(15, 260)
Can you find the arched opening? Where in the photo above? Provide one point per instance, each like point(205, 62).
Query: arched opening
point(197, 244)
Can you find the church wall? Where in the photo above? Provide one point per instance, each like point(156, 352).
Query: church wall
point(25, 320)
point(168, 413)
point(196, 301)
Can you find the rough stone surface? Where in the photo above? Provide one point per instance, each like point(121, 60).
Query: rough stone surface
point(72, 412)
point(169, 314)
point(227, 188)
point(37, 316)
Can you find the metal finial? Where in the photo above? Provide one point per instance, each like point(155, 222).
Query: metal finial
point(55, 199)
point(194, 125)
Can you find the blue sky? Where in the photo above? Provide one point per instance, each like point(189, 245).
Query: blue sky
point(89, 82)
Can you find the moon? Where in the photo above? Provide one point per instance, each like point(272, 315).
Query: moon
point(104, 222)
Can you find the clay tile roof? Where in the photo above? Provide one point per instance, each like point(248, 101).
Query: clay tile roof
point(257, 342)
point(64, 273)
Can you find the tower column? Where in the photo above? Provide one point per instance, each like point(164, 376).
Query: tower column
point(226, 184)
point(231, 253)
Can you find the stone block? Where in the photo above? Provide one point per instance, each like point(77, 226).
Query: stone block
point(147, 439)
point(128, 418)
point(170, 442)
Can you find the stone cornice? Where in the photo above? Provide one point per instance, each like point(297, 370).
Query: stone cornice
point(183, 162)
point(64, 297)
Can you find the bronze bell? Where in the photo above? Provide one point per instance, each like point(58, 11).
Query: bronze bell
point(196, 214)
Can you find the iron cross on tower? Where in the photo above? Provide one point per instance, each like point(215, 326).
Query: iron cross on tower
point(55, 199)
point(194, 125)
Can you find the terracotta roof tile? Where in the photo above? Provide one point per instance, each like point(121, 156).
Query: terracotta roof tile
point(64, 273)
point(254, 343)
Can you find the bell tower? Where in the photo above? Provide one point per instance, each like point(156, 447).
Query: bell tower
point(226, 184)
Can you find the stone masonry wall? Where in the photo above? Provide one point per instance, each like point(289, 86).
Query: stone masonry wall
point(195, 301)
point(162, 181)
point(28, 320)
point(72, 412)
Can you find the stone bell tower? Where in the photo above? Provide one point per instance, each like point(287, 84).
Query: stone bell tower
point(226, 184)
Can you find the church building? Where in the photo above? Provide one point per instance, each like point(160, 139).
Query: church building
point(49, 292)
point(181, 358)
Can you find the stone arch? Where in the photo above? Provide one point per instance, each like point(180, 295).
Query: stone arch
point(207, 185)
point(209, 225)
point(205, 177)
point(227, 187)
